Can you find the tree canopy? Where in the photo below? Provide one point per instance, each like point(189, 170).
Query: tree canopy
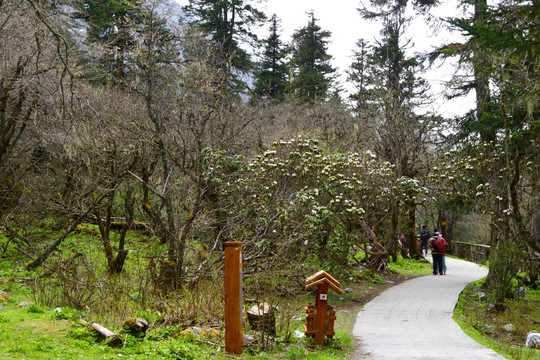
point(312, 76)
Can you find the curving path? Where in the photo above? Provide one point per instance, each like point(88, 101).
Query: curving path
point(413, 320)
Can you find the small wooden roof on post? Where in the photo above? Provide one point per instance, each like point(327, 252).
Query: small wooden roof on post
point(322, 277)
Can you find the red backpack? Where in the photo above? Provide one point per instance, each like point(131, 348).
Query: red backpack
point(438, 245)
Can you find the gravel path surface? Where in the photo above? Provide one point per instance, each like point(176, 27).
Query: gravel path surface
point(413, 320)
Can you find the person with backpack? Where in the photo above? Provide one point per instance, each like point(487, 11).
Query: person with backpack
point(436, 243)
point(444, 252)
point(424, 238)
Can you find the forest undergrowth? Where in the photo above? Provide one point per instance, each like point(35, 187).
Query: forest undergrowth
point(503, 331)
point(63, 300)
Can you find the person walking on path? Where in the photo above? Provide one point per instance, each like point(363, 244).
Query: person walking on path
point(444, 252)
point(437, 245)
point(424, 238)
point(414, 320)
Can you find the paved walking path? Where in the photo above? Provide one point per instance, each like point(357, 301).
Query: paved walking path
point(413, 320)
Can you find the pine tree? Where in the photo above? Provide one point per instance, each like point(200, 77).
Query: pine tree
point(310, 63)
point(362, 98)
point(271, 77)
point(389, 93)
point(503, 52)
point(229, 23)
point(111, 25)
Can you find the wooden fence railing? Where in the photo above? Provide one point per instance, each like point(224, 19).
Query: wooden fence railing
point(477, 253)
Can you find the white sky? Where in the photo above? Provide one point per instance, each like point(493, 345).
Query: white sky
point(342, 19)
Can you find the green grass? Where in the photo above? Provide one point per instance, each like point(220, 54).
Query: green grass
point(410, 267)
point(486, 327)
point(29, 334)
point(41, 332)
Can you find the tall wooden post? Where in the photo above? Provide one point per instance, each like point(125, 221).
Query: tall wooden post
point(234, 334)
point(320, 322)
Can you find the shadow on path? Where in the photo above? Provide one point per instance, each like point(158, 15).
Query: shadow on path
point(413, 320)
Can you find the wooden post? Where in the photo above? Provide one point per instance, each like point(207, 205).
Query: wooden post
point(234, 335)
point(322, 302)
point(317, 316)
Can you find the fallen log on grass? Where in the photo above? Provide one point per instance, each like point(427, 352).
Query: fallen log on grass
point(137, 326)
point(110, 338)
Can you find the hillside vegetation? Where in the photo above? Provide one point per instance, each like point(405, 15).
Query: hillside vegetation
point(137, 137)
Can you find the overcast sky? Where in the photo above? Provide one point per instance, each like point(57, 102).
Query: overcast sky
point(342, 19)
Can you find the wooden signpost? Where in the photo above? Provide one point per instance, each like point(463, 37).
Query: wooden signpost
point(320, 317)
point(234, 334)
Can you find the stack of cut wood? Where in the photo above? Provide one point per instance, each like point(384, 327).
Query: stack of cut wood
point(135, 327)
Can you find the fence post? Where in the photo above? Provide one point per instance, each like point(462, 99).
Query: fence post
point(234, 334)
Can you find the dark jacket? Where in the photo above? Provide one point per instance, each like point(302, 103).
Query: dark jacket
point(424, 235)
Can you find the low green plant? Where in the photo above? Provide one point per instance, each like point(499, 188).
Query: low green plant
point(36, 309)
point(370, 276)
point(178, 349)
point(83, 334)
point(163, 333)
point(296, 354)
point(43, 343)
point(66, 313)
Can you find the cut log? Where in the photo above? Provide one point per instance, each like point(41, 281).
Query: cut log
point(137, 326)
point(262, 317)
point(110, 338)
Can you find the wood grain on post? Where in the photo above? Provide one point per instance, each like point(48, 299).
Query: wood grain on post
point(320, 322)
point(233, 298)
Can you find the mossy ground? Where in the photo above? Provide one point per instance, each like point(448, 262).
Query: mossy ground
point(477, 318)
point(42, 332)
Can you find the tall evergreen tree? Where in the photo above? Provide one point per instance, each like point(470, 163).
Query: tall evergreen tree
point(111, 25)
point(389, 93)
point(230, 23)
point(503, 52)
point(271, 77)
point(312, 75)
point(359, 78)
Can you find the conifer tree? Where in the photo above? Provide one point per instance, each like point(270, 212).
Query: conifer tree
point(312, 75)
point(359, 78)
point(111, 25)
point(229, 23)
point(389, 91)
point(271, 77)
point(503, 53)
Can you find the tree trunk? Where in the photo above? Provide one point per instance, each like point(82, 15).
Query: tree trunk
point(377, 258)
point(111, 338)
point(54, 245)
point(414, 250)
point(392, 234)
point(118, 264)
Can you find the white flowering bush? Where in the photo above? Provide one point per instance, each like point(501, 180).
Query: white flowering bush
point(460, 177)
point(297, 201)
point(466, 180)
